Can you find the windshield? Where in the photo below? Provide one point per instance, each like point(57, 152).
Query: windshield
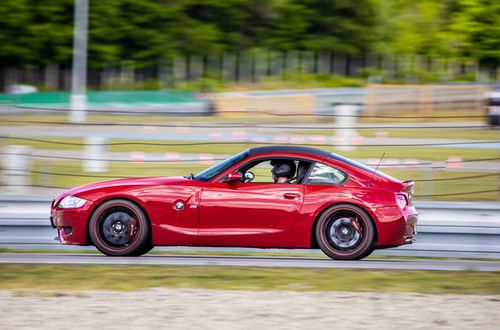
point(213, 171)
point(361, 166)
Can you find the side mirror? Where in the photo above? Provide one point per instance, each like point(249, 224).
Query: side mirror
point(234, 177)
point(249, 176)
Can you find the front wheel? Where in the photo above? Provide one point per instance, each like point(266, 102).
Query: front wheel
point(120, 228)
point(345, 232)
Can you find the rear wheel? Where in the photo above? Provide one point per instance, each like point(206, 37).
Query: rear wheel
point(345, 232)
point(120, 228)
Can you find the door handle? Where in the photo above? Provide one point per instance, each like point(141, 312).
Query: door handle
point(291, 195)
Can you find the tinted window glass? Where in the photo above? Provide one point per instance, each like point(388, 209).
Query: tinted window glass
point(324, 174)
point(262, 172)
point(361, 166)
point(218, 168)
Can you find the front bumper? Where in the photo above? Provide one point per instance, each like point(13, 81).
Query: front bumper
point(71, 224)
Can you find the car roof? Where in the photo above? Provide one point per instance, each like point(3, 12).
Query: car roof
point(316, 152)
point(292, 149)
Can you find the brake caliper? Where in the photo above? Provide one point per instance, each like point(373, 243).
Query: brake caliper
point(356, 225)
point(133, 229)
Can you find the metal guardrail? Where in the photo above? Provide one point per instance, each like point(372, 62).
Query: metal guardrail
point(458, 229)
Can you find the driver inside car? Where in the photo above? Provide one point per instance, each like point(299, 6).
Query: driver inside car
point(283, 170)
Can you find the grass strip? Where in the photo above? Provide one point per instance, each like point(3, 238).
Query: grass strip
point(414, 133)
point(252, 116)
point(70, 174)
point(264, 253)
point(435, 153)
point(129, 278)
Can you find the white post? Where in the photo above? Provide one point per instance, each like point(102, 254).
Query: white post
point(16, 164)
point(344, 121)
point(94, 154)
point(79, 73)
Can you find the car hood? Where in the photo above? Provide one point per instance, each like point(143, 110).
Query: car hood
point(151, 181)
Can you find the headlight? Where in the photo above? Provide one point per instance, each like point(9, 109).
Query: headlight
point(70, 202)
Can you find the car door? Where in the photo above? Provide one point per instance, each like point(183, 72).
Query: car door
point(249, 214)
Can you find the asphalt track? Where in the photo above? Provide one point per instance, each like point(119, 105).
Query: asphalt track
point(250, 261)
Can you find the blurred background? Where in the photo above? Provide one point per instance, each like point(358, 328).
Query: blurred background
point(92, 90)
point(113, 89)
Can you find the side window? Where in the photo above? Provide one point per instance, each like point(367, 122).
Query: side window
point(262, 172)
point(324, 174)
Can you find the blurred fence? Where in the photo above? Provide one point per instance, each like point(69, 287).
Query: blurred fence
point(253, 66)
point(374, 100)
point(424, 99)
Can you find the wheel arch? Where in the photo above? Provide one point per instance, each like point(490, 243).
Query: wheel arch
point(107, 199)
point(314, 244)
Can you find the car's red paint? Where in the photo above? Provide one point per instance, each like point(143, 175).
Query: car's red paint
point(251, 212)
point(217, 213)
point(76, 219)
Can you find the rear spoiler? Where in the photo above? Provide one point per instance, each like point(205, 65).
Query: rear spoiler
point(408, 188)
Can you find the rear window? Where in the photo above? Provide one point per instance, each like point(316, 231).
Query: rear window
point(324, 174)
point(361, 166)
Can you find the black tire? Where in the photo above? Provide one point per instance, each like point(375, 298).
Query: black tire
point(145, 249)
point(345, 232)
point(366, 254)
point(120, 228)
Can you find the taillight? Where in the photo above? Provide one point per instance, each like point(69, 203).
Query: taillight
point(408, 188)
point(401, 200)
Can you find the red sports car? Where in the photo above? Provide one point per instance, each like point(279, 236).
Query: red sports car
point(266, 197)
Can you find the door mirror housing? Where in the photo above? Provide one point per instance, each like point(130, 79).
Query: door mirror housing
point(234, 177)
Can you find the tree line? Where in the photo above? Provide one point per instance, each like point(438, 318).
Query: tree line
point(40, 32)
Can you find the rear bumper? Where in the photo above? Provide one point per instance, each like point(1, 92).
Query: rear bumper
point(395, 226)
point(494, 114)
point(71, 224)
point(411, 221)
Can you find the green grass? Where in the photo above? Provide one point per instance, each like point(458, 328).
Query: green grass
point(128, 278)
point(162, 146)
point(70, 170)
point(429, 153)
point(288, 253)
point(422, 153)
point(148, 119)
point(451, 186)
point(191, 253)
point(441, 116)
point(53, 144)
point(71, 173)
point(152, 119)
point(458, 134)
point(287, 80)
point(112, 118)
